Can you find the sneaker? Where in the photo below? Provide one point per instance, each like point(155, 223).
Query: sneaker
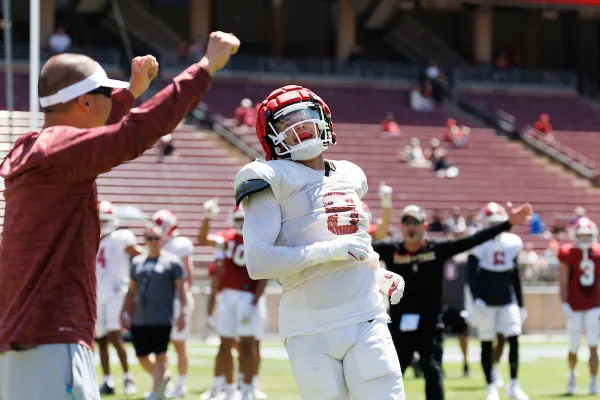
point(497, 379)
point(210, 394)
point(515, 392)
point(106, 389)
point(179, 392)
point(594, 387)
point(229, 393)
point(163, 386)
point(492, 392)
point(259, 394)
point(130, 388)
point(571, 384)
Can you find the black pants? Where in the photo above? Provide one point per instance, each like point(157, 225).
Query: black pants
point(428, 343)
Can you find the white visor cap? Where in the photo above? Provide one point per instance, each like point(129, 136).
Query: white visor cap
point(94, 81)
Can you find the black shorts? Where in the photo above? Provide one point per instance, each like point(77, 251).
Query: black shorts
point(150, 339)
point(454, 322)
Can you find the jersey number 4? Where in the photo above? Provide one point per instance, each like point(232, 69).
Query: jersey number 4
point(338, 202)
point(588, 276)
point(100, 259)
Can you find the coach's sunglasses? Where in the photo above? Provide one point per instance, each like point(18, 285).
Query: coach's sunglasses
point(102, 90)
point(410, 221)
point(152, 238)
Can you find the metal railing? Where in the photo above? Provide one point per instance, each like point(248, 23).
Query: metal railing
point(484, 74)
point(560, 152)
point(105, 56)
point(358, 70)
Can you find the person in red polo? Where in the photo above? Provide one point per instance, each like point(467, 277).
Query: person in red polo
point(51, 225)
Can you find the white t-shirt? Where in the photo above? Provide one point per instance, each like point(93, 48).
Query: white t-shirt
point(287, 229)
point(112, 261)
point(499, 254)
point(179, 246)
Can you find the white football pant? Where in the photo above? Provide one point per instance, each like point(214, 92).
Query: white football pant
point(499, 319)
point(583, 320)
point(357, 361)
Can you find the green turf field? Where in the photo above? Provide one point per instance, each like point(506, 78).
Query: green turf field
point(543, 373)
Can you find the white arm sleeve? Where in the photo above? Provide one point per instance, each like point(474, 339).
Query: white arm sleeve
point(262, 222)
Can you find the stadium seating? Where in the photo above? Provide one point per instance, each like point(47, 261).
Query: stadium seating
point(586, 143)
point(567, 112)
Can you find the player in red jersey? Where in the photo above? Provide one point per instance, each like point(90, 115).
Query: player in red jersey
point(580, 293)
point(240, 311)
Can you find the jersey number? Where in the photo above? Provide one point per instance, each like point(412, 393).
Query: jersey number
point(499, 258)
point(588, 276)
point(100, 259)
point(343, 203)
point(235, 253)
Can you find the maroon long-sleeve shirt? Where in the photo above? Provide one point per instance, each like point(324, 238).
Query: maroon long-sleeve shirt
point(51, 226)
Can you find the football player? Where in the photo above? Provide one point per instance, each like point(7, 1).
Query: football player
point(493, 280)
point(231, 279)
point(183, 248)
point(117, 247)
point(304, 226)
point(580, 293)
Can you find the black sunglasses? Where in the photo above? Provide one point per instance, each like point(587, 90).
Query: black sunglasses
point(152, 238)
point(410, 221)
point(102, 90)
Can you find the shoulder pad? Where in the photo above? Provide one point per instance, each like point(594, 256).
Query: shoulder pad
point(355, 173)
point(246, 188)
point(252, 178)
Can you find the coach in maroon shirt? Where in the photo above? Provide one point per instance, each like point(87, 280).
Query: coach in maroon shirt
point(51, 225)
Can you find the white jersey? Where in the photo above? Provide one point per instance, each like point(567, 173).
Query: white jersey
point(179, 246)
point(283, 228)
point(112, 261)
point(499, 254)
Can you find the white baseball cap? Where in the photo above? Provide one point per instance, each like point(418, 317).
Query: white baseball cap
point(415, 212)
point(94, 81)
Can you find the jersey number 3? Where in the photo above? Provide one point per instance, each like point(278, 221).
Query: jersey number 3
point(338, 202)
point(587, 277)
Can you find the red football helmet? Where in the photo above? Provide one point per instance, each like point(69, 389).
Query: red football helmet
point(167, 221)
point(109, 222)
point(492, 213)
point(585, 233)
point(287, 110)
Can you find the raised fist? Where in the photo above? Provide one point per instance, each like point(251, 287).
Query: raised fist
point(143, 70)
point(211, 208)
point(385, 195)
point(220, 47)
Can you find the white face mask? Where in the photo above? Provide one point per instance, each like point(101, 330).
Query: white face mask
point(287, 126)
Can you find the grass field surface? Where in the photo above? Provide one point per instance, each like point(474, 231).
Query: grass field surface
point(543, 372)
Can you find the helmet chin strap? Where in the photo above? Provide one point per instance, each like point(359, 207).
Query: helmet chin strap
point(307, 150)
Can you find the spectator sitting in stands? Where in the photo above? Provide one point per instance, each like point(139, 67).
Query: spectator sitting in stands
point(544, 126)
point(245, 114)
point(59, 41)
point(442, 166)
point(559, 229)
point(537, 226)
point(413, 154)
point(389, 126)
point(472, 221)
point(419, 101)
point(501, 61)
point(551, 258)
point(457, 135)
point(461, 139)
point(434, 148)
point(436, 224)
point(529, 262)
point(455, 220)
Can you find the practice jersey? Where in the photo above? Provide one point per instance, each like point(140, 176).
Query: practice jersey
point(492, 276)
point(179, 246)
point(312, 208)
point(112, 261)
point(234, 274)
point(584, 271)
